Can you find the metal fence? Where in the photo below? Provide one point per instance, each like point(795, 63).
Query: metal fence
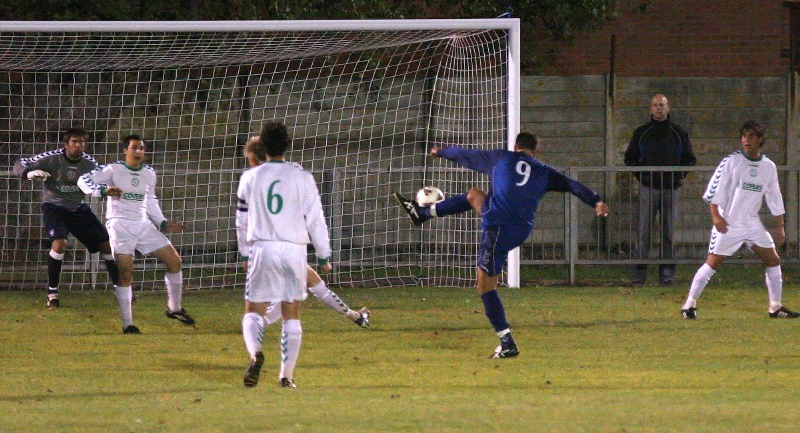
point(567, 232)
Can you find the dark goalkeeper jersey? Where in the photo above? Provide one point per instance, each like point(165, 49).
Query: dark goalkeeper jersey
point(61, 188)
point(517, 184)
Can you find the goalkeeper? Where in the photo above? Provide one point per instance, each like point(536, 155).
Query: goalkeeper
point(256, 155)
point(63, 208)
point(517, 183)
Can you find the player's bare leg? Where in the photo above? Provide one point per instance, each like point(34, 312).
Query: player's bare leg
point(317, 286)
point(774, 281)
point(174, 282)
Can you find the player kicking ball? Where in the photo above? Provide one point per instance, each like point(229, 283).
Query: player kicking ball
point(135, 223)
point(518, 181)
point(735, 194)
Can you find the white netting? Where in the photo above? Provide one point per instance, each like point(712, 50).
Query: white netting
point(363, 108)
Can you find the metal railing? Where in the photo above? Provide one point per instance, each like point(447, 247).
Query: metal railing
point(567, 232)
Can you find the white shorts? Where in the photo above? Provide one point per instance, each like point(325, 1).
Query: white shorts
point(276, 272)
point(726, 244)
point(127, 237)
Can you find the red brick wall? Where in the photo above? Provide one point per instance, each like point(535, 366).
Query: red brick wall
point(681, 38)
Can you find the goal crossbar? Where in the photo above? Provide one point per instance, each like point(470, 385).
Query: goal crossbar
point(364, 99)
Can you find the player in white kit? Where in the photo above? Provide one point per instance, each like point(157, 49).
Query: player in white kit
point(739, 186)
point(135, 223)
point(284, 216)
point(256, 155)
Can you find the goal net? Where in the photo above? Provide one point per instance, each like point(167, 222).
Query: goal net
point(364, 102)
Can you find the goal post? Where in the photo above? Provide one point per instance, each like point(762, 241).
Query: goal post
point(363, 100)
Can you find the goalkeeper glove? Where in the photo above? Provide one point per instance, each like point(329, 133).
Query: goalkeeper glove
point(38, 175)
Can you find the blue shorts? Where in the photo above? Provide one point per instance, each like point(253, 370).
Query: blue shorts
point(496, 242)
point(82, 223)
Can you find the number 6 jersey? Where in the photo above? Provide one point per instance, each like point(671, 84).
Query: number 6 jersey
point(282, 204)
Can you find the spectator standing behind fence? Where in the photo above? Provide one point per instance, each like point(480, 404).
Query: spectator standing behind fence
point(658, 143)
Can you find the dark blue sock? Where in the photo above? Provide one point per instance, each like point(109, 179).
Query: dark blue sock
point(453, 205)
point(53, 272)
point(495, 310)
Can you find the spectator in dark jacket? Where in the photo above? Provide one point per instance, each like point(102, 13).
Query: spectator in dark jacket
point(658, 143)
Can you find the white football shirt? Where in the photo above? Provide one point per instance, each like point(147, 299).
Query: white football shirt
point(739, 187)
point(138, 201)
point(283, 205)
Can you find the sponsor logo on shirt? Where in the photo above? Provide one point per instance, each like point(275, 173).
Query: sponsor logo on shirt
point(132, 196)
point(68, 188)
point(752, 187)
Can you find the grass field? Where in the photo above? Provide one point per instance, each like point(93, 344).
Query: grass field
point(594, 359)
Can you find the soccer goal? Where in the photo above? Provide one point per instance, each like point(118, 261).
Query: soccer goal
point(364, 101)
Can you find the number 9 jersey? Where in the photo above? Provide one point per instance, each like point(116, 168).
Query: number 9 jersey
point(518, 183)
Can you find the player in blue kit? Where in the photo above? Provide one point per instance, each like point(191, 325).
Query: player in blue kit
point(517, 183)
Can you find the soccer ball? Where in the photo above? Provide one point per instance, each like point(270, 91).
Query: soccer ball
point(429, 195)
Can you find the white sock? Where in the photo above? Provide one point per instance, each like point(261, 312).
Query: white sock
point(433, 210)
point(273, 314)
point(329, 298)
point(290, 347)
point(253, 332)
point(774, 280)
point(123, 294)
point(174, 290)
point(57, 256)
point(701, 278)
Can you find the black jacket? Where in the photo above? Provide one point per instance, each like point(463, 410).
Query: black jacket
point(660, 143)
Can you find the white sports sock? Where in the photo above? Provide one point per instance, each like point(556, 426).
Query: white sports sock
point(57, 256)
point(699, 282)
point(774, 279)
point(290, 347)
point(174, 284)
point(124, 294)
point(433, 210)
point(273, 314)
point(253, 332)
point(324, 294)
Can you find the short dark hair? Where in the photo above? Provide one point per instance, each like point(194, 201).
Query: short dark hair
point(527, 140)
point(128, 138)
point(753, 126)
point(74, 132)
point(275, 138)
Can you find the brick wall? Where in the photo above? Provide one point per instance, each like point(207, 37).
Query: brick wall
point(681, 38)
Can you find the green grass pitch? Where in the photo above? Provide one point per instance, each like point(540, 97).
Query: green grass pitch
point(594, 359)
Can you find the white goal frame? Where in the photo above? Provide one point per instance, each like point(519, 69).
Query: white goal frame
point(512, 80)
